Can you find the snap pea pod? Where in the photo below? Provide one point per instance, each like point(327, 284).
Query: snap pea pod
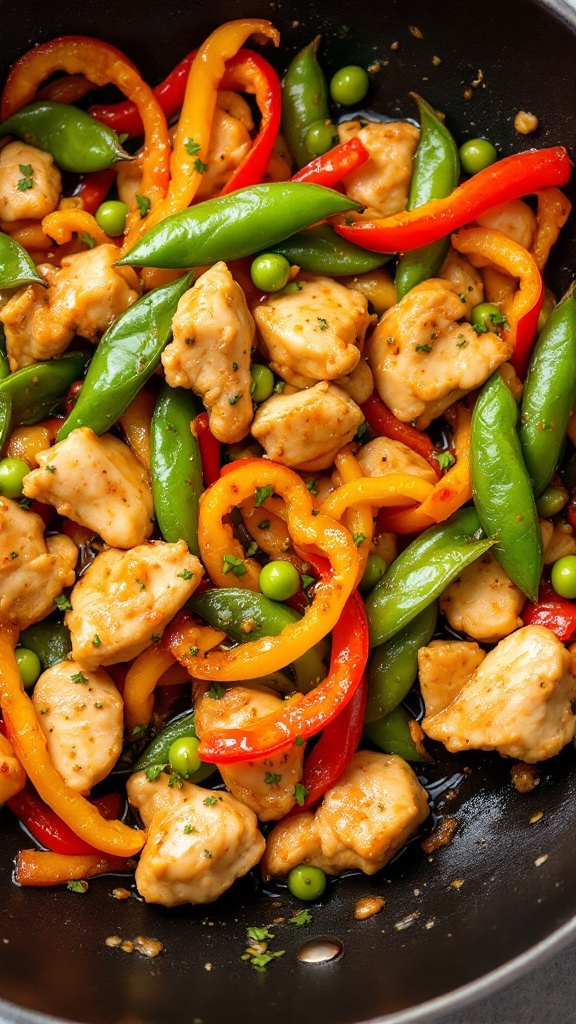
point(49, 639)
point(435, 175)
point(304, 101)
point(16, 267)
point(322, 251)
point(229, 610)
point(76, 141)
point(549, 393)
point(34, 390)
point(156, 754)
point(125, 358)
point(393, 666)
point(236, 225)
point(423, 570)
point(392, 735)
point(501, 486)
point(176, 466)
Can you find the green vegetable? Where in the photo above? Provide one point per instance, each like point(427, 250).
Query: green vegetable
point(29, 666)
point(320, 137)
point(306, 882)
point(125, 358)
point(502, 489)
point(270, 272)
point(49, 639)
point(304, 101)
point(183, 756)
point(176, 465)
point(392, 735)
point(393, 666)
point(349, 85)
point(77, 142)
point(322, 251)
point(563, 576)
point(12, 473)
point(263, 382)
point(111, 217)
point(373, 573)
point(279, 580)
point(30, 394)
point(476, 155)
point(486, 316)
point(157, 753)
point(551, 501)
point(16, 267)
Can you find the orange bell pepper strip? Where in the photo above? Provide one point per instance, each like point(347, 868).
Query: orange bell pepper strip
point(486, 245)
point(66, 89)
point(29, 742)
point(551, 215)
point(42, 867)
point(270, 533)
point(12, 774)
point(135, 422)
point(63, 224)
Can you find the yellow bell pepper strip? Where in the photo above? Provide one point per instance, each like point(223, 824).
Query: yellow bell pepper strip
point(63, 224)
point(135, 422)
point(308, 531)
point(29, 742)
point(551, 215)
point(103, 64)
point(486, 245)
point(304, 715)
point(359, 518)
point(270, 533)
point(12, 774)
point(192, 138)
point(382, 491)
point(43, 868)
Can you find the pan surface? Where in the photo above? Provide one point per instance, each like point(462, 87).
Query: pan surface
point(507, 882)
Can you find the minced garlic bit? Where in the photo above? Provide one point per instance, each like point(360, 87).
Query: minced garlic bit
point(121, 894)
point(457, 883)
point(525, 122)
point(536, 817)
point(436, 60)
point(394, 45)
point(415, 31)
point(113, 941)
point(368, 906)
point(541, 860)
point(127, 946)
point(148, 947)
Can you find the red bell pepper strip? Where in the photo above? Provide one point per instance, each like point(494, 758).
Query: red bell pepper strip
point(209, 449)
point(552, 611)
point(387, 425)
point(124, 118)
point(306, 715)
point(334, 165)
point(49, 829)
point(94, 188)
point(511, 178)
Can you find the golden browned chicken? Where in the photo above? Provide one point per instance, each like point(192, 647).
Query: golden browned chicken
point(43, 183)
point(382, 183)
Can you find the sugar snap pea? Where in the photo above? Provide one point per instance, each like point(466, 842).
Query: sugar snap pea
point(16, 267)
point(49, 639)
point(33, 391)
point(393, 666)
point(76, 141)
point(322, 251)
point(176, 466)
point(304, 101)
point(392, 735)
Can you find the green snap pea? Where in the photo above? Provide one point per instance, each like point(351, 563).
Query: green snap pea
point(551, 502)
point(229, 610)
point(393, 666)
point(501, 486)
point(76, 141)
point(549, 393)
point(243, 223)
point(125, 358)
point(49, 639)
point(16, 267)
point(435, 175)
point(176, 466)
point(304, 101)
point(322, 251)
point(422, 571)
point(156, 755)
point(30, 394)
point(392, 735)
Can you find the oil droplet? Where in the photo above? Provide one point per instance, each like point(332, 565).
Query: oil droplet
point(320, 951)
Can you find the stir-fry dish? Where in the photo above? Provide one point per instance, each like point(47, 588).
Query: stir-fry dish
point(286, 431)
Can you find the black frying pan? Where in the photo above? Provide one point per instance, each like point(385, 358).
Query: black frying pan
point(53, 957)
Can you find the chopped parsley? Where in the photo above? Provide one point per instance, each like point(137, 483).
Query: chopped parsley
point(323, 323)
point(261, 493)
point(188, 829)
point(141, 584)
point(304, 917)
point(251, 549)
point(300, 792)
point(210, 801)
point(185, 574)
point(208, 853)
point(200, 166)
point(14, 554)
point(193, 651)
point(143, 204)
point(235, 398)
point(138, 730)
point(299, 741)
point(79, 677)
point(235, 367)
point(192, 147)
point(279, 386)
point(444, 459)
point(154, 771)
point(77, 885)
point(230, 563)
point(27, 181)
point(497, 319)
point(462, 340)
point(361, 432)
point(307, 581)
point(259, 934)
point(358, 538)
point(260, 961)
point(96, 640)
point(155, 638)
point(311, 485)
point(271, 779)
point(51, 469)
point(422, 348)
point(264, 525)
point(87, 238)
point(216, 691)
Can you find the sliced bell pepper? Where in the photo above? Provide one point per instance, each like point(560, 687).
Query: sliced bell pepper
point(550, 610)
point(209, 449)
point(551, 215)
point(12, 774)
point(43, 868)
point(386, 424)
point(94, 188)
point(63, 224)
point(304, 715)
point(330, 168)
point(50, 830)
point(359, 518)
point(519, 175)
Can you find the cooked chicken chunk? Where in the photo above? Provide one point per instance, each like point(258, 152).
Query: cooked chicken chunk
point(213, 333)
point(97, 482)
point(84, 297)
point(307, 430)
point(483, 601)
point(12, 774)
point(196, 847)
point(359, 384)
point(465, 279)
point(384, 455)
point(382, 183)
point(229, 144)
point(444, 668)
point(81, 715)
point(316, 333)
point(39, 194)
point(558, 540)
point(373, 809)
point(266, 785)
point(33, 569)
point(125, 600)
point(514, 219)
point(518, 701)
point(423, 358)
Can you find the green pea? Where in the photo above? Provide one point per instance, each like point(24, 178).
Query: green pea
point(551, 501)
point(111, 217)
point(563, 576)
point(476, 155)
point(279, 580)
point(270, 271)
point(262, 382)
point(373, 573)
point(306, 882)
point(320, 137)
point(12, 473)
point(349, 85)
point(486, 316)
point(183, 756)
point(28, 665)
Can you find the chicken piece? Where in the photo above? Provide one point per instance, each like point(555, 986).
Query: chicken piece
point(20, 201)
point(84, 297)
point(266, 785)
point(307, 430)
point(316, 333)
point(424, 359)
point(33, 569)
point(518, 701)
point(359, 384)
point(213, 331)
point(514, 219)
point(97, 482)
point(382, 183)
point(81, 715)
point(483, 602)
point(198, 844)
point(12, 774)
point(384, 455)
point(465, 279)
point(444, 668)
point(125, 600)
point(371, 811)
point(558, 540)
point(229, 144)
